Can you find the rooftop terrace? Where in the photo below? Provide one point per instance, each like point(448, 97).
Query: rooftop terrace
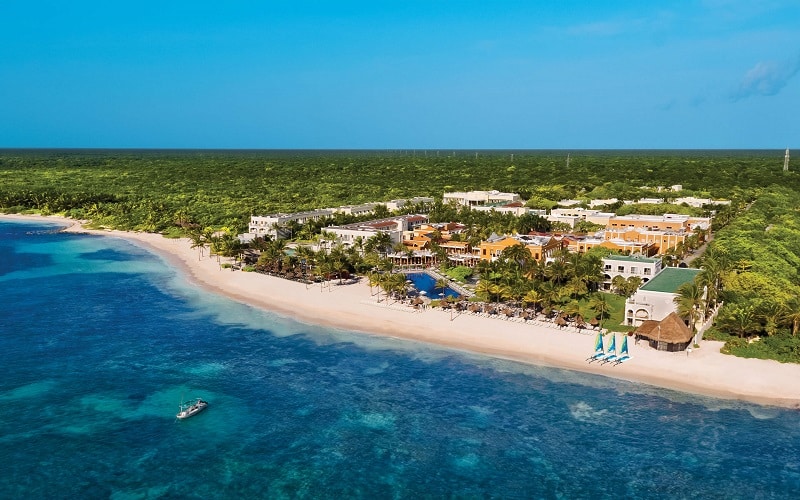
point(670, 279)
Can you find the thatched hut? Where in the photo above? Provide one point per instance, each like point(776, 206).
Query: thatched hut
point(669, 334)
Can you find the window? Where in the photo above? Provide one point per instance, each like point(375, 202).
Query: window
point(647, 271)
point(620, 269)
point(608, 267)
point(634, 270)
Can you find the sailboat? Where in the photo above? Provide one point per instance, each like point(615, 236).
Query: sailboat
point(191, 409)
point(611, 354)
point(623, 352)
point(599, 352)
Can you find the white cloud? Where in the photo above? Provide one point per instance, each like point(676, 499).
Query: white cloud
point(767, 78)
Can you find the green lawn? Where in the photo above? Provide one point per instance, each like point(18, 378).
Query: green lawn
point(616, 314)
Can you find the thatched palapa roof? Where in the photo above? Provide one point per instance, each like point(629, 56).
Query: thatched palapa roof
point(671, 330)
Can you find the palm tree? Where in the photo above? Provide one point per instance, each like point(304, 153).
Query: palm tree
point(690, 302)
point(324, 267)
point(440, 284)
point(557, 271)
point(740, 319)
point(518, 254)
point(306, 255)
point(618, 284)
point(572, 309)
point(381, 242)
point(792, 314)
point(549, 292)
point(632, 284)
point(600, 305)
point(484, 288)
point(339, 260)
point(198, 241)
point(374, 279)
point(773, 314)
point(532, 297)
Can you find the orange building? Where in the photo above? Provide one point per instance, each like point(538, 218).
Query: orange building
point(578, 244)
point(662, 241)
point(540, 247)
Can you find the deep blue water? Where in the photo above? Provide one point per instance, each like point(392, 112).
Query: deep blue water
point(427, 283)
point(99, 341)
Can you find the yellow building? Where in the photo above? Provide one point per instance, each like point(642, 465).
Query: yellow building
point(540, 247)
point(662, 241)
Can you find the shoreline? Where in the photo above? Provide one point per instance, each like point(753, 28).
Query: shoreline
point(352, 307)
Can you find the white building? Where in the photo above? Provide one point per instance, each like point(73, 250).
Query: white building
point(365, 208)
point(629, 266)
point(516, 209)
point(699, 202)
point(273, 225)
point(600, 203)
point(655, 299)
point(477, 198)
point(393, 205)
point(577, 213)
point(393, 226)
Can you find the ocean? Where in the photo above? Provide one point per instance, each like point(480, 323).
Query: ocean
point(101, 340)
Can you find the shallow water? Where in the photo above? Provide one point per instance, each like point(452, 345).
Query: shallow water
point(100, 340)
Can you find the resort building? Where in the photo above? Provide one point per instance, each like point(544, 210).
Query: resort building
point(274, 225)
point(674, 222)
point(650, 201)
point(394, 205)
point(365, 208)
point(516, 208)
point(583, 243)
point(394, 227)
point(629, 266)
point(600, 202)
point(460, 253)
point(699, 202)
point(655, 300)
point(541, 247)
point(664, 232)
point(576, 214)
point(666, 222)
point(661, 241)
point(478, 198)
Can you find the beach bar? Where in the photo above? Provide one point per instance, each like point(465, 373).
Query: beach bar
point(670, 334)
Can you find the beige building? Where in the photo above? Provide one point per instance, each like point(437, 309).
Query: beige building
point(477, 198)
point(273, 225)
point(393, 226)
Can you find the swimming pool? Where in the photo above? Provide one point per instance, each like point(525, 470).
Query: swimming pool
point(424, 282)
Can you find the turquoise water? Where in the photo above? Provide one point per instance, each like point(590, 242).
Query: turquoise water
point(427, 283)
point(100, 341)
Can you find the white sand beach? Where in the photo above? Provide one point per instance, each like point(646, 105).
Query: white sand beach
point(352, 306)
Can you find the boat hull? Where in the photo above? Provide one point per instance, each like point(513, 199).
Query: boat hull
point(190, 411)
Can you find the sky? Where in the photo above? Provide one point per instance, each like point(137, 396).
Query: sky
point(500, 74)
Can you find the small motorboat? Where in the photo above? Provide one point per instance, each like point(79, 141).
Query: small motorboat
point(189, 410)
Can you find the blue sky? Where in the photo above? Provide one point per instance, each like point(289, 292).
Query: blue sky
point(400, 74)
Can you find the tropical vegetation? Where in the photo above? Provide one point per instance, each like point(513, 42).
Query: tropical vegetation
point(752, 266)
